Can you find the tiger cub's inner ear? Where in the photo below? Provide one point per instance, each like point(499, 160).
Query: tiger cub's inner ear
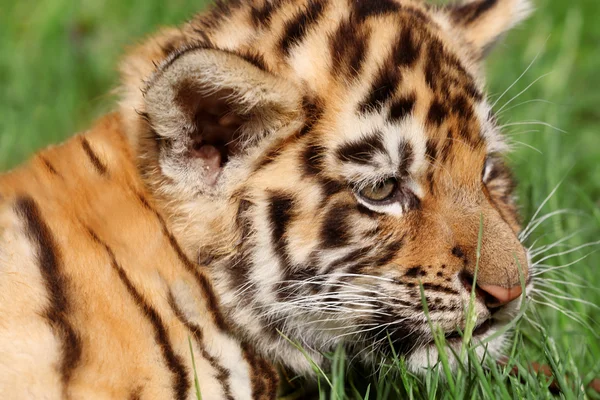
point(205, 106)
point(483, 22)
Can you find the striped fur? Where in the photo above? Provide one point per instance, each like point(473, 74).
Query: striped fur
point(221, 208)
point(98, 298)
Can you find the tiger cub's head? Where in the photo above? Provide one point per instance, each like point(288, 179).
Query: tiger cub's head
point(329, 159)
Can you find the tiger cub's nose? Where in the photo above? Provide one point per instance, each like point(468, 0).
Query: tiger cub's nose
point(493, 296)
point(497, 296)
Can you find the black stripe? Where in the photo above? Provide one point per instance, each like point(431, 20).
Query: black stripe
point(96, 162)
point(361, 151)
point(335, 230)
point(402, 107)
point(297, 28)
point(239, 273)
point(344, 261)
point(274, 151)
point(263, 377)
point(389, 252)
point(313, 111)
point(444, 70)
point(171, 60)
point(171, 44)
point(348, 48)
point(196, 331)
point(330, 187)
point(255, 58)
point(382, 89)
point(312, 159)
point(431, 182)
point(465, 130)
point(280, 214)
point(461, 106)
point(261, 15)
point(468, 13)
point(271, 378)
point(181, 382)
point(218, 14)
point(446, 150)
point(271, 323)
point(405, 52)
point(407, 48)
point(50, 167)
point(437, 113)
point(407, 155)
point(433, 65)
point(258, 386)
point(57, 283)
point(240, 265)
point(358, 267)
point(367, 8)
point(439, 288)
point(209, 294)
point(431, 150)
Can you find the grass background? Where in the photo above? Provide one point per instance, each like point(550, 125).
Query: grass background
point(58, 63)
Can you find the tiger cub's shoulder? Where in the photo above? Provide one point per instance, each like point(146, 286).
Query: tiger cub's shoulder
point(97, 297)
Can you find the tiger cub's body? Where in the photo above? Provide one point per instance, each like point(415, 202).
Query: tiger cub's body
point(279, 173)
point(98, 300)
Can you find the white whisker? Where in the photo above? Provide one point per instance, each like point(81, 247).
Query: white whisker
point(543, 249)
point(523, 91)
point(517, 80)
point(567, 283)
point(526, 145)
point(566, 252)
point(535, 223)
point(564, 297)
point(548, 268)
point(540, 208)
point(514, 133)
point(534, 122)
point(523, 103)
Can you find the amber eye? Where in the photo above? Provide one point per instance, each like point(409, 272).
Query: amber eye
point(380, 191)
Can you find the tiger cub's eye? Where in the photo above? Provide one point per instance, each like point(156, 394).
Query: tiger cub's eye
point(380, 191)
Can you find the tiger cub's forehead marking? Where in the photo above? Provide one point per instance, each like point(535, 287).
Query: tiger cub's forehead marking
point(387, 70)
point(371, 146)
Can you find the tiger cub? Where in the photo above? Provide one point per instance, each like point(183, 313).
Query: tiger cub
point(279, 173)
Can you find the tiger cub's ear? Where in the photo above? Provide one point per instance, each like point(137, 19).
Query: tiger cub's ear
point(483, 22)
point(206, 106)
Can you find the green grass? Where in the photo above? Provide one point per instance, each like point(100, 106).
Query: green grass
point(58, 63)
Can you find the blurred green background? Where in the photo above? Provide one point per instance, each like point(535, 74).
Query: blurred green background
point(58, 69)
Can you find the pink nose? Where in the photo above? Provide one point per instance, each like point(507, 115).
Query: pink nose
point(498, 296)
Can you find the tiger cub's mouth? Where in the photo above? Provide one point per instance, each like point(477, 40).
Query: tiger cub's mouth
point(489, 338)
